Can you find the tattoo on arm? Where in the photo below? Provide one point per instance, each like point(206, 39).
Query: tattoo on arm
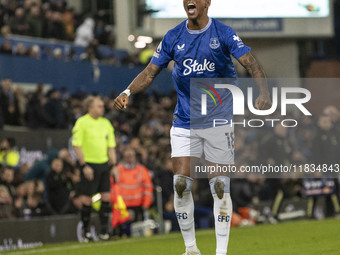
point(255, 70)
point(252, 66)
point(144, 79)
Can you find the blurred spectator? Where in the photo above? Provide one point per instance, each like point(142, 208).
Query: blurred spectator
point(244, 193)
point(91, 52)
point(40, 168)
point(21, 103)
point(165, 181)
point(58, 30)
point(68, 20)
point(102, 29)
point(8, 155)
point(34, 52)
point(27, 6)
point(276, 147)
point(20, 50)
point(276, 150)
point(326, 149)
point(135, 184)
point(6, 207)
point(58, 54)
point(1, 117)
point(59, 187)
point(36, 114)
point(7, 192)
point(7, 99)
point(55, 110)
point(5, 31)
point(70, 168)
point(326, 143)
point(47, 24)
point(59, 5)
point(34, 205)
point(6, 48)
point(10, 103)
point(332, 112)
point(85, 33)
point(18, 23)
point(34, 22)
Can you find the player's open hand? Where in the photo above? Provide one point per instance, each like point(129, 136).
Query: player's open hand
point(263, 102)
point(121, 102)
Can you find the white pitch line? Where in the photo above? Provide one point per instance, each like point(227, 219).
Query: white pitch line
point(84, 246)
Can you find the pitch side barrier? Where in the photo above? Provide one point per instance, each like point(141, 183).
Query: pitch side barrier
point(18, 234)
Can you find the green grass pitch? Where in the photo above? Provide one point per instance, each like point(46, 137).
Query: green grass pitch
point(298, 237)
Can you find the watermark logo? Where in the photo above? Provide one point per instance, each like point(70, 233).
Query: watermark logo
point(204, 98)
point(239, 104)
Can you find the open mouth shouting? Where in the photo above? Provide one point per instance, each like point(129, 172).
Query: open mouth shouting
point(191, 8)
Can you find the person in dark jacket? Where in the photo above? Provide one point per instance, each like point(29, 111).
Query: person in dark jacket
point(54, 109)
point(58, 185)
point(325, 151)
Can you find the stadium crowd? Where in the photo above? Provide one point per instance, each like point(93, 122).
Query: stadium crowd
point(49, 186)
point(53, 19)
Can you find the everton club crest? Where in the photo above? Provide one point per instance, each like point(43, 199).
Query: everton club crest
point(214, 43)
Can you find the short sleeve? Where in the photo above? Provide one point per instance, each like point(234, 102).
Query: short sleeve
point(234, 44)
point(111, 142)
point(162, 55)
point(77, 134)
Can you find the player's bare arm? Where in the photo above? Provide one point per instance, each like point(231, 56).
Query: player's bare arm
point(263, 102)
point(139, 84)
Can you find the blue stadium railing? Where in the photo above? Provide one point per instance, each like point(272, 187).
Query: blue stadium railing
point(74, 75)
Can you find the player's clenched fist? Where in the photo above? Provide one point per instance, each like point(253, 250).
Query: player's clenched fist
point(121, 101)
point(263, 102)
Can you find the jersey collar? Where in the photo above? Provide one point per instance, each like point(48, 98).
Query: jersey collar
point(194, 32)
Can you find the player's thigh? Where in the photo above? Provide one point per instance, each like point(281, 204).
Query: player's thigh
point(218, 144)
point(184, 143)
point(185, 148)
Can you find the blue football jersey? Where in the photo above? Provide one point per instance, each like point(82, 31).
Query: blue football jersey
point(202, 53)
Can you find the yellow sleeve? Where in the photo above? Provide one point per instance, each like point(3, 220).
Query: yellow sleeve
point(111, 141)
point(12, 158)
point(77, 134)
